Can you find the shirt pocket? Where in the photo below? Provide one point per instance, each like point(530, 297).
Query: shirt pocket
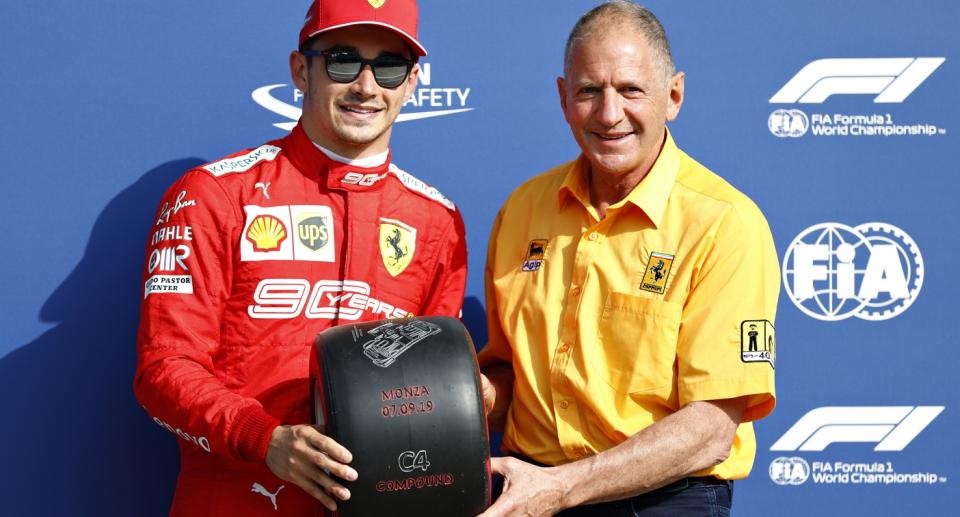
point(637, 343)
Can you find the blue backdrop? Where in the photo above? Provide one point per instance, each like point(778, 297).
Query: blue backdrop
point(105, 103)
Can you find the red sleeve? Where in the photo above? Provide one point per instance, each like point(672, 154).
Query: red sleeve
point(450, 281)
point(187, 279)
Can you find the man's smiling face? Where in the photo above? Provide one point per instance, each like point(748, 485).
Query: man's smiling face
point(617, 101)
point(353, 119)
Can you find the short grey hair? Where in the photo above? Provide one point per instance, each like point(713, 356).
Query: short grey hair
point(624, 13)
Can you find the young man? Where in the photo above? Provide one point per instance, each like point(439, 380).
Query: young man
point(619, 331)
point(254, 254)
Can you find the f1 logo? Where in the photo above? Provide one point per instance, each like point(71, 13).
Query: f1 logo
point(892, 428)
point(893, 79)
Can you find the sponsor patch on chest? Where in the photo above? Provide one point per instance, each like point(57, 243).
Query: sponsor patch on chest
point(288, 232)
point(657, 273)
point(536, 250)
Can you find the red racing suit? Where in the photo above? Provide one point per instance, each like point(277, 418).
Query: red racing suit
point(250, 257)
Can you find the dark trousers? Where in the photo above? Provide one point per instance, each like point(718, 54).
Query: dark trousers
point(689, 497)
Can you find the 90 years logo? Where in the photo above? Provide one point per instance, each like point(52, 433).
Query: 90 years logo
point(873, 271)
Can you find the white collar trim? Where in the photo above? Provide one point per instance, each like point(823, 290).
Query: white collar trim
point(365, 163)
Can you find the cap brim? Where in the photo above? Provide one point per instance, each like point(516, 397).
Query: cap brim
point(417, 47)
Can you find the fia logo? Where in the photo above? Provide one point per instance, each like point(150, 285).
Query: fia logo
point(791, 123)
point(873, 271)
point(789, 471)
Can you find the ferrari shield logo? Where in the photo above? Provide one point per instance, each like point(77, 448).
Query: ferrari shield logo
point(376, 3)
point(657, 273)
point(397, 244)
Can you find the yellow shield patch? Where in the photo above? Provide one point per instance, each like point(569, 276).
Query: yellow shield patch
point(657, 273)
point(398, 241)
point(376, 3)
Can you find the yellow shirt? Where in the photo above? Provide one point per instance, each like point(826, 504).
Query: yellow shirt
point(614, 324)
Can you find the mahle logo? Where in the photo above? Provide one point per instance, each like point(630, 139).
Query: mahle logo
point(873, 271)
point(427, 100)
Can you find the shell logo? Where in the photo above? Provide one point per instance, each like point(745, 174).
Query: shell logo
point(266, 233)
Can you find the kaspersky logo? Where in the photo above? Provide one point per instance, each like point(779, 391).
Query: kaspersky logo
point(427, 100)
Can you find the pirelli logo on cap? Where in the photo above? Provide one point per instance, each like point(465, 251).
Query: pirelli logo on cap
point(657, 273)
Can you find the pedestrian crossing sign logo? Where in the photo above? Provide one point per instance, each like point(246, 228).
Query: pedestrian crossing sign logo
point(657, 273)
point(758, 344)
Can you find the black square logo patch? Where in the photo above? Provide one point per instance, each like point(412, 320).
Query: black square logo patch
point(758, 343)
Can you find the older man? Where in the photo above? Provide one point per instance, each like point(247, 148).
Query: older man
point(254, 254)
point(621, 290)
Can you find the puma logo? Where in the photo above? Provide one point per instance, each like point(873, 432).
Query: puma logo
point(259, 489)
point(263, 186)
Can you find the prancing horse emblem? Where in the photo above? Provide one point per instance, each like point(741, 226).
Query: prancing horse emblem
point(398, 241)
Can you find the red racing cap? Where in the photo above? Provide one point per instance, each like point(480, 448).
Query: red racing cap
point(399, 16)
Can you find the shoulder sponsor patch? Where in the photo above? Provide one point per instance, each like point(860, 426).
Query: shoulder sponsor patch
point(657, 273)
point(294, 232)
point(536, 250)
point(177, 284)
point(167, 210)
point(243, 162)
point(758, 342)
point(420, 187)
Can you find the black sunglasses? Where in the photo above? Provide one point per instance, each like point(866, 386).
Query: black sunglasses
point(345, 65)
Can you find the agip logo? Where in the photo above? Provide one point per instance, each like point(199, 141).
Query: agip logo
point(873, 271)
point(427, 100)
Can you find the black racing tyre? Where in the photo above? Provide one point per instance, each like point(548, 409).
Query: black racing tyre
point(404, 397)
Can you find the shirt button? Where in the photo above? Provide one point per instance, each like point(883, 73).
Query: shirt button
point(575, 291)
point(593, 236)
point(564, 347)
point(564, 404)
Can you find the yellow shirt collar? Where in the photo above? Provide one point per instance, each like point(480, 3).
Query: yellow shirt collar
point(650, 195)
